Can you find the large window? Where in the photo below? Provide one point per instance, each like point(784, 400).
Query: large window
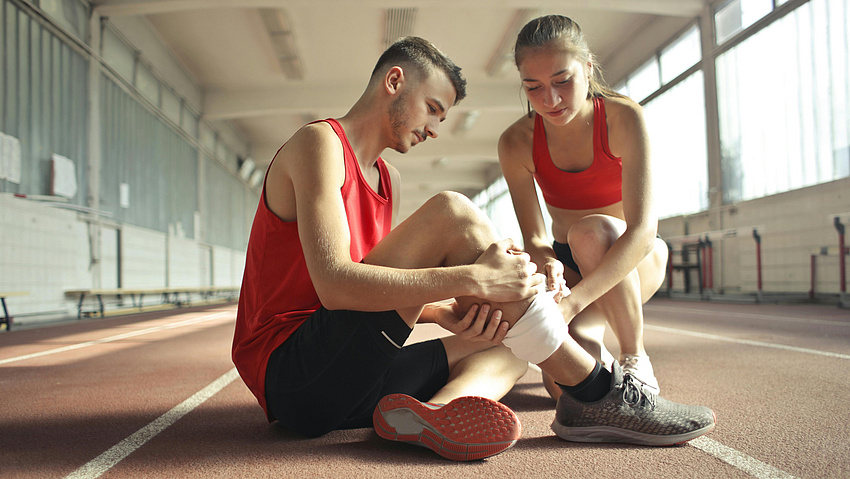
point(784, 101)
point(645, 80)
point(676, 124)
point(736, 15)
point(680, 55)
point(675, 118)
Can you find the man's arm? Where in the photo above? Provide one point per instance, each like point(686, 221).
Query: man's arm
point(312, 167)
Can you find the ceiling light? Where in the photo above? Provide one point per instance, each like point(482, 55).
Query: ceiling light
point(399, 23)
point(256, 178)
point(466, 122)
point(246, 169)
point(283, 42)
point(503, 57)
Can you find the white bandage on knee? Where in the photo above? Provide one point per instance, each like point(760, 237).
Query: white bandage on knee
point(539, 332)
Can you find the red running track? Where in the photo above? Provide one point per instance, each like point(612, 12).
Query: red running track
point(155, 395)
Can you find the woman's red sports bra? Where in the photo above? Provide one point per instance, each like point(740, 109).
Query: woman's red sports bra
point(601, 184)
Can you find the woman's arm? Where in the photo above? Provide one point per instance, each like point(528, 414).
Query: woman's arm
point(517, 168)
point(628, 139)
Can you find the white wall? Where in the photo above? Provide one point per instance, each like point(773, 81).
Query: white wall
point(228, 266)
point(790, 224)
point(144, 258)
point(45, 251)
point(184, 263)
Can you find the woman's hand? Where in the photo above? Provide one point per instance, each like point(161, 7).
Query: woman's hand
point(477, 324)
point(569, 308)
point(554, 270)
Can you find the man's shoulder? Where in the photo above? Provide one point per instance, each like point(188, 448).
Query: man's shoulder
point(313, 142)
point(319, 134)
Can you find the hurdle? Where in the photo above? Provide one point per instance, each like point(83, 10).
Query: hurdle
point(703, 245)
point(841, 250)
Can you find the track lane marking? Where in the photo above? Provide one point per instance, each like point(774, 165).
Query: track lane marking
point(102, 463)
point(747, 342)
point(768, 317)
point(739, 460)
point(117, 337)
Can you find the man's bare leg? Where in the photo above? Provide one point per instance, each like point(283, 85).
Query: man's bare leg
point(621, 410)
point(587, 329)
point(449, 230)
point(479, 369)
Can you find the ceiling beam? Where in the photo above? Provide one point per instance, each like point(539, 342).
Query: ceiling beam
point(674, 8)
point(457, 151)
point(229, 104)
point(295, 99)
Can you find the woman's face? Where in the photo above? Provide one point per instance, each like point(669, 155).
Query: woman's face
point(555, 82)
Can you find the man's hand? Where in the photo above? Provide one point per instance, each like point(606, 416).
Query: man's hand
point(475, 325)
point(507, 273)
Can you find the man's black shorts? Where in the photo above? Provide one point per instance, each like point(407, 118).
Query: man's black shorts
point(331, 373)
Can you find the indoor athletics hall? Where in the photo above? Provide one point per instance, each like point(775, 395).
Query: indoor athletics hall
point(135, 137)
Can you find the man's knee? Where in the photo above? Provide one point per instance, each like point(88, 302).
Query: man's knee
point(461, 226)
point(455, 206)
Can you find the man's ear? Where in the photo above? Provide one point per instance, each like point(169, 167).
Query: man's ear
point(394, 79)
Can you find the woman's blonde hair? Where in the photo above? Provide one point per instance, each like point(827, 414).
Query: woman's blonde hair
point(544, 30)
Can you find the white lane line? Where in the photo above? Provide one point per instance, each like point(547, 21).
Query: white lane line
point(746, 341)
point(99, 465)
point(768, 317)
point(739, 460)
point(117, 337)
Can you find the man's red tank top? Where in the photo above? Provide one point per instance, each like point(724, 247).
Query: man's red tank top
point(277, 294)
point(599, 185)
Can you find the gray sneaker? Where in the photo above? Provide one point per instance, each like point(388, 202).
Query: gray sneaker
point(632, 414)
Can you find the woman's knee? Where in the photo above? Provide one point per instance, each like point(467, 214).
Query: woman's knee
point(591, 237)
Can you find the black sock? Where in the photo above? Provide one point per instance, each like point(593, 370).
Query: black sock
point(593, 388)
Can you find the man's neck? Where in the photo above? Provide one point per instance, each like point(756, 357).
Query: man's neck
point(363, 127)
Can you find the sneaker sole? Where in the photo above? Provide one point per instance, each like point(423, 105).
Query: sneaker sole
point(465, 429)
point(614, 434)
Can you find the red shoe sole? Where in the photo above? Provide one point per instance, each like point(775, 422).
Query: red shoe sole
point(466, 429)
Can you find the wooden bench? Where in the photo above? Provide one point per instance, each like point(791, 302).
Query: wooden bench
point(7, 319)
point(167, 295)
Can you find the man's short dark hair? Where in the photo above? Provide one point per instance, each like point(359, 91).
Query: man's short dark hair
point(425, 57)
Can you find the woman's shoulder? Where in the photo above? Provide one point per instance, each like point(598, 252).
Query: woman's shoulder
point(519, 134)
point(622, 113)
point(516, 142)
point(621, 105)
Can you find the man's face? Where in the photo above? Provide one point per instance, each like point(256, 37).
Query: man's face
point(421, 105)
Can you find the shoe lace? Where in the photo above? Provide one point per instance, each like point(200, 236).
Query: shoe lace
point(629, 362)
point(634, 393)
